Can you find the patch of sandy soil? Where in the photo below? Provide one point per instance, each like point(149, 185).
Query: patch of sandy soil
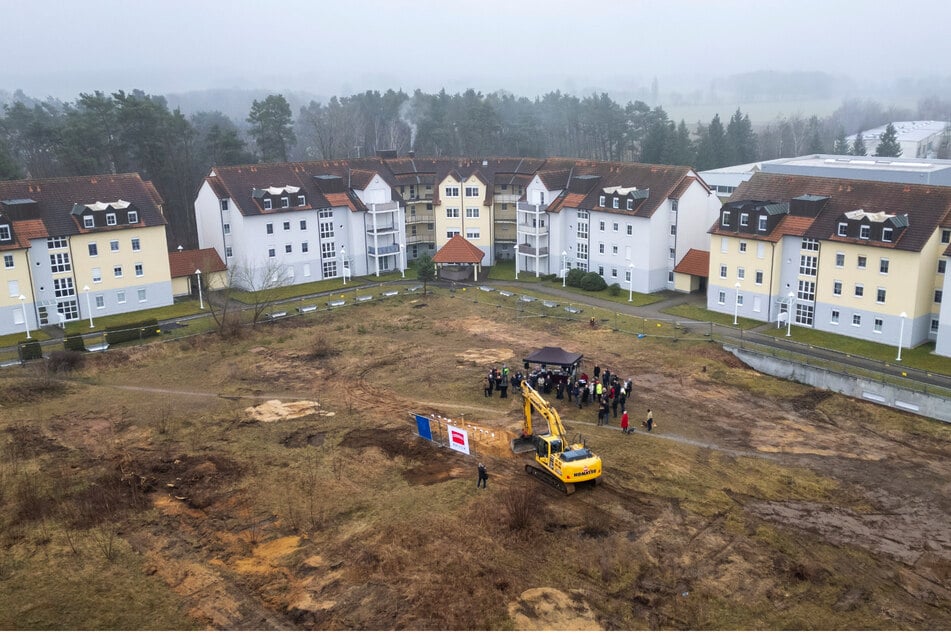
point(276, 410)
point(485, 356)
point(552, 609)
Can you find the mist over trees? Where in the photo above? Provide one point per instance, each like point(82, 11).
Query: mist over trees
point(100, 133)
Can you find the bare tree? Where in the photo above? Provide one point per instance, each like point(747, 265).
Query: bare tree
point(261, 285)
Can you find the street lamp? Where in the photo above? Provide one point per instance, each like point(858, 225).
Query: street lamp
point(26, 320)
point(789, 309)
point(901, 334)
point(564, 268)
point(343, 267)
point(736, 303)
point(630, 274)
point(201, 299)
point(88, 304)
point(403, 259)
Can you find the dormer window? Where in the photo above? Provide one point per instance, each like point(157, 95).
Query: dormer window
point(744, 219)
point(865, 231)
point(762, 223)
point(602, 200)
point(285, 202)
point(843, 229)
point(887, 234)
point(301, 200)
point(630, 204)
point(726, 218)
point(111, 219)
point(615, 202)
point(89, 222)
point(133, 217)
point(5, 233)
point(267, 203)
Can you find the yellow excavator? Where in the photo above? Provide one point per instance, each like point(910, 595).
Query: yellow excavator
point(558, 462)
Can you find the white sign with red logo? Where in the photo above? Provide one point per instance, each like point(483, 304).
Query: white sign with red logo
point(458, 439)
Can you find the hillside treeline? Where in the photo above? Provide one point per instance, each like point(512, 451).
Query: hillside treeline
point(138, 132)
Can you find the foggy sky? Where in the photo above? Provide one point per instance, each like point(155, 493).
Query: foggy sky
point(57, 48)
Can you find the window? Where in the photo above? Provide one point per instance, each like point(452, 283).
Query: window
point(835, 317)
point(13, 288)
point(267, 203)
point(673, 230)
point(886, 234)
point(472, 191)
point(226, 228)
point(141, 294)
point(136, 244)
point(724, 245)
point(616, 227)
point(285, 202)
point(472, 212)
point(224, 204)
point(630, 230)
point(880, 296)
point(473, 234)
point(861, 261)
point(877, 325)
point(837, 287)
point(601, 225)
point(840, 260)
point(742, 246)
point(133, 217)
point(859, 290)
point(744, 219)
point(111, 219)
point(740, 273)
point(120, 297)
point(452, 192)
point(865, 231)
point(117, 270)
point(674, 204)
point(600, 247)
point(8, 261)
point(627, 275)
point(93, 249)
point(723, 271)
point(56, 243)
point(630, 204)
point(602, 200)
point(288, 248)
point(760, 250)
point(843, 229)
point(942, 265)
point(762, 223)
point(614, 273)
point(725, 219)
point(63, 287)
point(269, 228)
point(759, 278)
point(672, 253)
point(100, 301)
point(301, 200)
point(810, 244)
point(452, 232)
point(505, 207)
point(856, 320)
point(59, 263)
point(808, 265)
point(429, 206)
point(328, 250)
point(739, 299)
point(883, 265)
point(114, 246)
point(937, 297)
point(614, 249)
point(303, 225)
point(271, 252)
point(945, 236)
point(139, 269)
point(304, 247)
point(96, 275)
point(934, 325)
point(806, 291)
point(601, 271)
point(287, 225)
point(452, 212)
point(88, 222)
point(615, 202)
point(721, 298)
point(229, 252)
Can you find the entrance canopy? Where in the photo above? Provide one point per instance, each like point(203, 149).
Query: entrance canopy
point(553, 356)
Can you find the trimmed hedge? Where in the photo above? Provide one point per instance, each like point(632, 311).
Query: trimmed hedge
point(30, 350)
point(593, 282)
point(133, 331)
point(74, 343)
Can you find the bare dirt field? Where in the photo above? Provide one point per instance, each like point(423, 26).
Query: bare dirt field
point(277, 482)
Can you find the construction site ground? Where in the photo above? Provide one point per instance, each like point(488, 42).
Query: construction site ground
point(276, 481)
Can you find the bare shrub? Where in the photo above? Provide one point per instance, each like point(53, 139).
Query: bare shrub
point(518, 505)
point(322, 348)
point(230, 328)
point(65, 361)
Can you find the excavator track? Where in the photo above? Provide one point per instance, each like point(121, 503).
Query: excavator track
point(549, 479)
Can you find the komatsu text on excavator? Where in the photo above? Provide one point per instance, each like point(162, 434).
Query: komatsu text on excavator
point(557, 462)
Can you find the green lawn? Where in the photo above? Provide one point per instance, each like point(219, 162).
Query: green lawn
point(696, 313)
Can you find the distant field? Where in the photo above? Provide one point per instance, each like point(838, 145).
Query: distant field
point(760, 112)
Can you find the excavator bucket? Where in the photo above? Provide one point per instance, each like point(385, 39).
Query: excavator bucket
point(523, 444)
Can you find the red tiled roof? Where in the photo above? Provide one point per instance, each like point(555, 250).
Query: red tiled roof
point(184, 263)
point(459, 251)
point(683, 185)
point(696, 262)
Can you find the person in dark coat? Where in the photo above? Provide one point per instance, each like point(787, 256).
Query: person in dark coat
point(483, 476)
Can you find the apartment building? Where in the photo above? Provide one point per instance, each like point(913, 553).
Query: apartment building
point(80, 247)
point(859, 258)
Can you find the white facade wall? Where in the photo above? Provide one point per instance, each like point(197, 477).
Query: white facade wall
point(943, 342)
point(208, 220)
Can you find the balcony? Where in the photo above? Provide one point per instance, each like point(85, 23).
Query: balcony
point(506, 233)
point(426, 217)
point(527, 249)
point(384, 250)
point(505, 216)
point(422, 238)
point(381, 229)
point(532, 229)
